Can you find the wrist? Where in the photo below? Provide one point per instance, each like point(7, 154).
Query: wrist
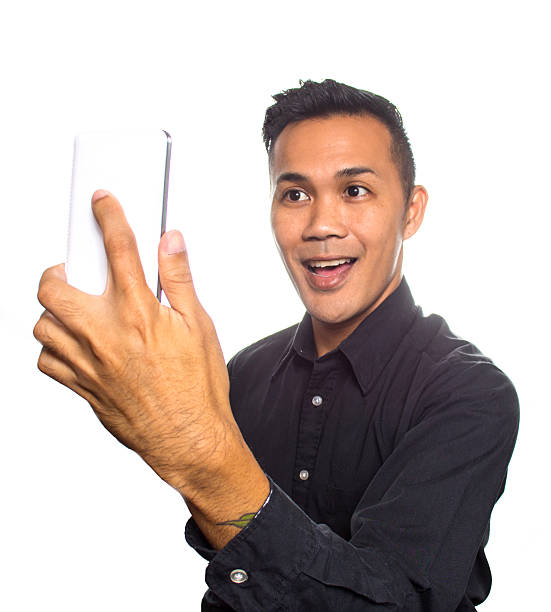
point(224, 462)
point(232, 489)
point(205, 463)
point(222, 515)
point(187, 465)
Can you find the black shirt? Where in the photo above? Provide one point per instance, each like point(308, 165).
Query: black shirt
point(385, 459)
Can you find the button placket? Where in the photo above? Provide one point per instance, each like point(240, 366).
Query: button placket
point(316, 402)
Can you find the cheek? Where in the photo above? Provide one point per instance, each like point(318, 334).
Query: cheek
point(278, 234)
point(284, 230)
point(378, 231)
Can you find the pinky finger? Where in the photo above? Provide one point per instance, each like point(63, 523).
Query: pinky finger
point(51, 365)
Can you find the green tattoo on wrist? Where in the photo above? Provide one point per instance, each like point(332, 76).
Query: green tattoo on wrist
point(241, 522)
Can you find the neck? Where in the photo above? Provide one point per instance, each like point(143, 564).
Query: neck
point(327, 336)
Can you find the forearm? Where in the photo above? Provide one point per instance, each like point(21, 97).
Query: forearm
point(228, 489)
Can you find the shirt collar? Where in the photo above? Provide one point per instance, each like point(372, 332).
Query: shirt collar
point(371, 345)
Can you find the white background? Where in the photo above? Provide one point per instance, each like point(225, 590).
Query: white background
point(85, 524)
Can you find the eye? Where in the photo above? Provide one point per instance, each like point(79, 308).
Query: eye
point(295, 195)
point(355, 191)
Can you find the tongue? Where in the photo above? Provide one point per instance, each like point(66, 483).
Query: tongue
point(331, 270)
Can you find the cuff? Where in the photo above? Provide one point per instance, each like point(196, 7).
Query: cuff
point(196, 539)
point(255, 568)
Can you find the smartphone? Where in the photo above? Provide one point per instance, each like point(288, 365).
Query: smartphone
point(134, 166)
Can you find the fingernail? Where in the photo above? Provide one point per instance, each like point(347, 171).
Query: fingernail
point(174, 243)
point(99, 194)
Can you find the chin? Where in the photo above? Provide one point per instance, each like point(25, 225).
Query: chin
point(339, 313)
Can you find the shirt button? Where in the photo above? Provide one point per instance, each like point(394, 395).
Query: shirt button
point(238, 576)
point(317, 400)
point(304, 474)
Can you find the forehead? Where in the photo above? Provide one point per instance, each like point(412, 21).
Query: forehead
point(321, 146)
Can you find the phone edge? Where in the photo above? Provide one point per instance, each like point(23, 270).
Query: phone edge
point(165, 199)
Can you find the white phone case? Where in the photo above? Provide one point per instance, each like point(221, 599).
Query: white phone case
point(134, 166)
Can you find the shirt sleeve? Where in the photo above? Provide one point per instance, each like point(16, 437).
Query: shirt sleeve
point(415, 533)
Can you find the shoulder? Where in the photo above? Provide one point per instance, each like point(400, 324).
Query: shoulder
point(262, 354)
point(454, 376)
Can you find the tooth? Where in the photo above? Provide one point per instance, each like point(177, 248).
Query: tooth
point(334, 262)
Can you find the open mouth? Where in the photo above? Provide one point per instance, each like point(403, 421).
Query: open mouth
point(330, 267)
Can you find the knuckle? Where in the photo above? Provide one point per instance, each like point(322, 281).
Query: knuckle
point(45, 274)
point(38, 331)
point(130, 286)
point(43, 362)
point(36, 328)
point(184, 276)
point(133, 311)
point(46, 289)
point(45, 292)
point(97, 349)
point(120, 243)
point(139, 325)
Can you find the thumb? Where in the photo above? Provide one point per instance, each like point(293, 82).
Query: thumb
point(174, 272)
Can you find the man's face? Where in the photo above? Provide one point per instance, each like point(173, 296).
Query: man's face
point(338, 199)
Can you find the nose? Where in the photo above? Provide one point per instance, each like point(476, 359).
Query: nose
point(326, 220)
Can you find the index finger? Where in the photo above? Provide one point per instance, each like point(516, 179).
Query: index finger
point(66, 303)
point(123, 259)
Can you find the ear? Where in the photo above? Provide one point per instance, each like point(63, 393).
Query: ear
point(416, 211)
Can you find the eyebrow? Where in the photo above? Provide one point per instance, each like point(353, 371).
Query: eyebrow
point(354, 171)
point(296, 177)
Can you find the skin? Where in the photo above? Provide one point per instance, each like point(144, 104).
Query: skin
point(327, 211)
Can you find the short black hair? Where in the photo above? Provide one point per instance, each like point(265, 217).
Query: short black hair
point(328, 98)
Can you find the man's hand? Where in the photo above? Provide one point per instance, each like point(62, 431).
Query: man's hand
point(155, 376)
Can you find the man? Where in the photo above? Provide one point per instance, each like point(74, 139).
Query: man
point(354, 460)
